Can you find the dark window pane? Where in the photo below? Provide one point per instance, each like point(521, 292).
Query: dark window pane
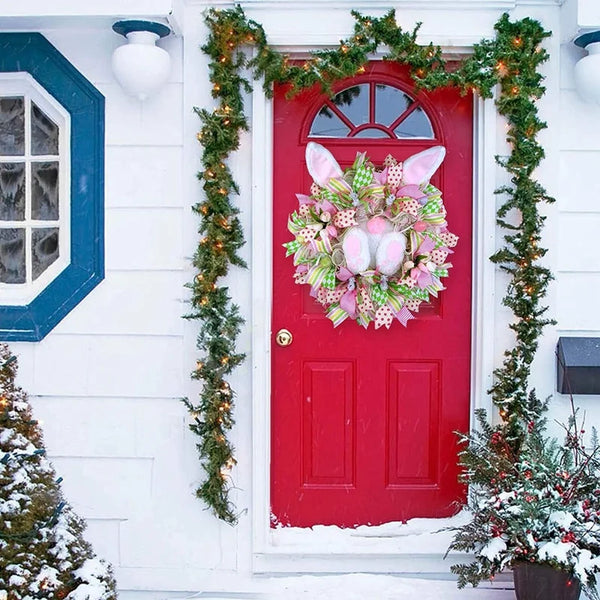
point(328, 124)
point(12, 255)
point(44, 191)
point(44, 133)
point(372, 132)
point(390, 103)
point(416, 125)
point(12, 191)
point(44, 249)
point(354, 103)
point(12, 126)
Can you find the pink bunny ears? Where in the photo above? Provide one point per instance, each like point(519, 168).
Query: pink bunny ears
point(416, 170)
point(321, 164)
point(419, 168)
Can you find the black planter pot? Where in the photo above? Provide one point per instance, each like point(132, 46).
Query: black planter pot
point(543, 582)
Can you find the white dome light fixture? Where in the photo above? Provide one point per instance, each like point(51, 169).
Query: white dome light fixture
point(587, 69)
point(140, 66)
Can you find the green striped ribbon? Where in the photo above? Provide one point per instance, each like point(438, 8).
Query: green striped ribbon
point(359, 161)
point(304, 255)
point(395, 301)
point(339, 193)
point(364, 319)
point(369, 276)
point(325, 242)
point(337, 315)
point(435, 287)
point(339, 186)
point(435, 218)
point(415, 241)
point(293, 228)
point(371, 191)
point(316, 275)
point(322, 245)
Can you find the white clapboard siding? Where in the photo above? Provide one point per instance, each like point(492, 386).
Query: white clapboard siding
point(578, 264)
point(579, 190)
point(108, 381)
point(144, 176)
point(145, 239)
point(116, 305)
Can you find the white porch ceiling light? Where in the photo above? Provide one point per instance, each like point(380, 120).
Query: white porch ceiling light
point(587, 69)
point(140, 66)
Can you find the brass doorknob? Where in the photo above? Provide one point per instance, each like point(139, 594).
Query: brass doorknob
point(284, 337)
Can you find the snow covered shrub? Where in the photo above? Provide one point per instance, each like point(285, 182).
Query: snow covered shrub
point(42, 551)
point(531, 499)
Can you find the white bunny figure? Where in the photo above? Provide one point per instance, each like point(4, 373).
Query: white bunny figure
point(374, 242)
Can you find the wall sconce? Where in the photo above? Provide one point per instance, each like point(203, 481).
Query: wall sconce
point(141, 67)
point(587, 69)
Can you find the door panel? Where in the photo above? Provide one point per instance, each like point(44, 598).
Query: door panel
point(363, 421)
point(328, 423)
point(412, 422)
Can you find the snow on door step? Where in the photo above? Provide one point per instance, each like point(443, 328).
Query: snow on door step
point(416, 536)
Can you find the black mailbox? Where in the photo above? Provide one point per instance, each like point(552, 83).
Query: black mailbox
point(578, 368)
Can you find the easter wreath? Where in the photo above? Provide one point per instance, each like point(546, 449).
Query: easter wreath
point(372, 243)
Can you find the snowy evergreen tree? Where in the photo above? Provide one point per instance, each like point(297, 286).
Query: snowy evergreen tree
point(42, 551)
point(531, 499)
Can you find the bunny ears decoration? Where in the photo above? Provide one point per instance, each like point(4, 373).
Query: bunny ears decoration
point(416, 169)
point(371, 242)
point(321, 165)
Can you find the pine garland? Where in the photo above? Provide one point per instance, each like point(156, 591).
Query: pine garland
point(511, 60)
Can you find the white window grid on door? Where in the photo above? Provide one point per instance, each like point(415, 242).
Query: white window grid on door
point(22, 85)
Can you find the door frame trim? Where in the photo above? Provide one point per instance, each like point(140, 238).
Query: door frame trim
point(267, 557)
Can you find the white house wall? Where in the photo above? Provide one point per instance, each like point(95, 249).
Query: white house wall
point(577, 267)
point(107, 381)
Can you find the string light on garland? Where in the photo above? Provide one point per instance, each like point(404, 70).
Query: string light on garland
point(510, 61)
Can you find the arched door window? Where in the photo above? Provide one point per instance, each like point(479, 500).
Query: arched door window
point(372, 110)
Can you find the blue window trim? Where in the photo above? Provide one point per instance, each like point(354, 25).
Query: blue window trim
point(33, 53)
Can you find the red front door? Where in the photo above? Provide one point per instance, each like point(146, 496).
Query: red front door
point(363, 421)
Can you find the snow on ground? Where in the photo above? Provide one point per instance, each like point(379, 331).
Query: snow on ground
point(360, 586)
point(416, 537)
